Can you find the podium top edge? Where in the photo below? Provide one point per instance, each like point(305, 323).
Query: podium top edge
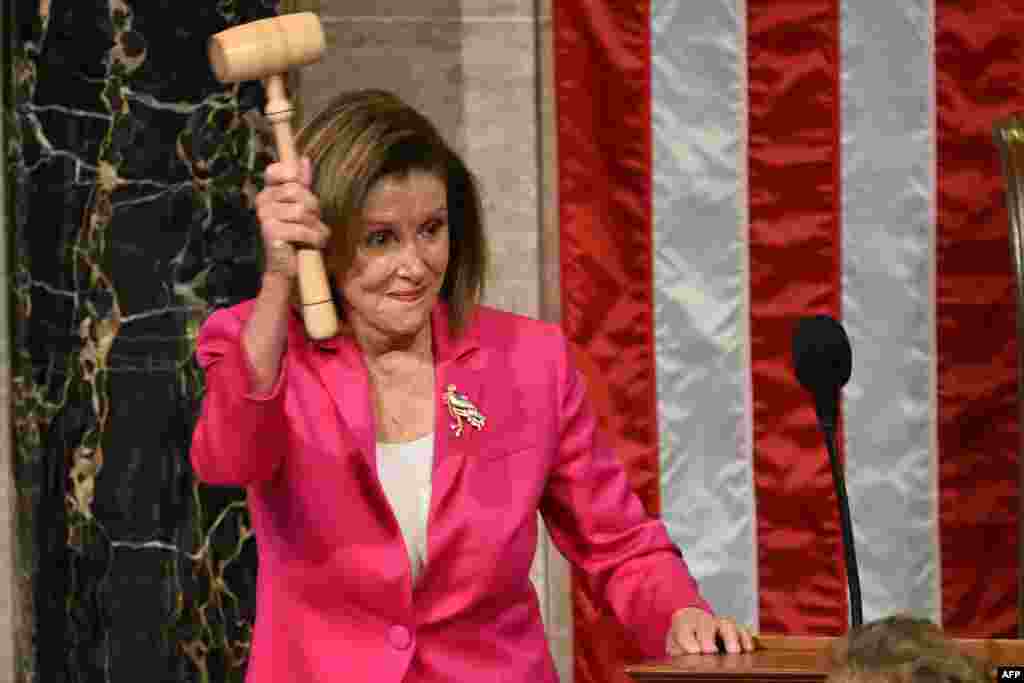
point(795, 658)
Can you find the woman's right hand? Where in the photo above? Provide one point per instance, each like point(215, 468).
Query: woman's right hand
point(289, 214)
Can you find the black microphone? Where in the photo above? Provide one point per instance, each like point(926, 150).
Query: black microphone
point(823, 362)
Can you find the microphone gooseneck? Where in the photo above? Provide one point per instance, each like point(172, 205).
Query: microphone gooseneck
point(823, 362)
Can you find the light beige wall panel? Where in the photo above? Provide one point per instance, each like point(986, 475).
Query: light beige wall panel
point(499, 131)
point(420, 61)
point(550, 289)
point(431, 10)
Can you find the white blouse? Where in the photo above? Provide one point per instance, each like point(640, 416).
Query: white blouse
point(405, 473)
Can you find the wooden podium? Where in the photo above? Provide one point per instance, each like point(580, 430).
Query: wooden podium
point(790, 659)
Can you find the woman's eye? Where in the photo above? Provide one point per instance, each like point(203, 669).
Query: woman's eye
point(433, 227)
point(377, 238)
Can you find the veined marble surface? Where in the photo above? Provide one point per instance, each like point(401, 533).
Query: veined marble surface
point(134, 177)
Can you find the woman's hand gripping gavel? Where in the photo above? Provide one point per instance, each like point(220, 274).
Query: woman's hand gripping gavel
point(289, 213)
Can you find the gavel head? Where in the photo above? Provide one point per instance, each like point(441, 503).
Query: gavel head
point(266, 47)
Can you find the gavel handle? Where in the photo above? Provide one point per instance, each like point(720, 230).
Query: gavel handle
point(317, 307)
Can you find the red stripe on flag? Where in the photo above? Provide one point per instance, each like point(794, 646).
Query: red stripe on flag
point(602, 85)
point(795, 270)
point(980, 79)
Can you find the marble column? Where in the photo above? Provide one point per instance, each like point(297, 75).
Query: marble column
point(9, 610)
point(130, 219)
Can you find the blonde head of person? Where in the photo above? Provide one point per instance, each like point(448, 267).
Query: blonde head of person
point(902, 649)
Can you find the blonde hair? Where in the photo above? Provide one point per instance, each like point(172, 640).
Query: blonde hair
point(365, 135)
point(902, 649)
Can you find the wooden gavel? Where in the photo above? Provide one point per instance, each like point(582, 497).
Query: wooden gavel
point(266, 49)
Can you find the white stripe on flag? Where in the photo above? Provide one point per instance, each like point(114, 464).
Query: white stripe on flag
point(888, 247)
point(698, 56)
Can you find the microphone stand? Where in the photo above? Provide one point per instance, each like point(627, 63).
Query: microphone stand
point(845, 524)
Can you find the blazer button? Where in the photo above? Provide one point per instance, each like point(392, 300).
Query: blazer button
point(400, 637)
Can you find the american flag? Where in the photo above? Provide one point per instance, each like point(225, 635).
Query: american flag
point(727, 167)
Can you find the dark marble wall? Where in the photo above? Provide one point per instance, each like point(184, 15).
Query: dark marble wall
point(133, 178)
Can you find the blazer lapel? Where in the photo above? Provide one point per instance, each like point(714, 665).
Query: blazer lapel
point(460, 363)
point(338, 364)
point(466, 377)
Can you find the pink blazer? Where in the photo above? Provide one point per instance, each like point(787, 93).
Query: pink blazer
point(335, 601)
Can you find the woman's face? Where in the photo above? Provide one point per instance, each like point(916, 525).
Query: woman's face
point(402, 255)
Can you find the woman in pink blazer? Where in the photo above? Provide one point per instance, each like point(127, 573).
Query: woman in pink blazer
point(394, 472)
